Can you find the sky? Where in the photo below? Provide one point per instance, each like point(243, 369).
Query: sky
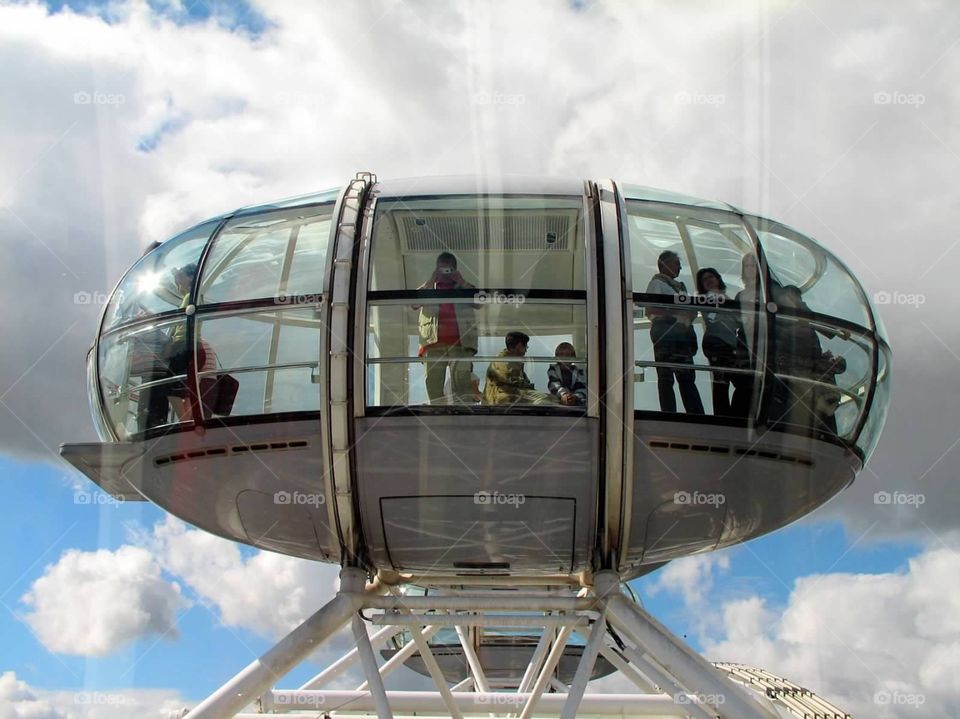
point(124, 122)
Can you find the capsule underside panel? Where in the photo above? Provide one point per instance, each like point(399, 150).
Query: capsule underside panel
point(705, 487)
point(478, 494)
point(256, 484)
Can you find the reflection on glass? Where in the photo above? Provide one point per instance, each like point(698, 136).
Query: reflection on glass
point(156, 283)
point(282, 345)
point(821, 375)
point(273, 254)
point(867, 441)
point(504, 242)
point(538, 371)
point(143, 376)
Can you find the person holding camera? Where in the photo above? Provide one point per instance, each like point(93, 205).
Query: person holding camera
point(448, 334)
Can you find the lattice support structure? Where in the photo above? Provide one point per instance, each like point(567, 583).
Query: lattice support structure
point(668, 678)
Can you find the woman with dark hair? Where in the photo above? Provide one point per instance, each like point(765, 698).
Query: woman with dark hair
point(720, 343)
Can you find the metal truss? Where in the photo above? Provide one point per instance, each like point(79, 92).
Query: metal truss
point(667, 678)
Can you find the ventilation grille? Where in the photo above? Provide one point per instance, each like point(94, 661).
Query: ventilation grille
point(721, 449)
point(539, 231)
point(235, 449)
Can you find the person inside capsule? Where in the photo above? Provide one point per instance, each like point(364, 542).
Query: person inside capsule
point(507, 382)
point(448, 334)
point(799, 356)
point(674, 339)
point(722, 339)
point(565, 380)
point(164, 356)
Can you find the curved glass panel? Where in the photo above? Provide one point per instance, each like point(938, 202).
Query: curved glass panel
point(277, 254)
point(155, 284)
point(272, 355)
point(822, 376)
point(497, 242)
point(641, 192)
point(867, 441)
point(143, 376)
point(316, 198)
point(702, 239)
point(826, 287)
point(482, 371)
point(100, 422)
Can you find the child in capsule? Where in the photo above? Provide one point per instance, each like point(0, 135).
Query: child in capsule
point(565, 379)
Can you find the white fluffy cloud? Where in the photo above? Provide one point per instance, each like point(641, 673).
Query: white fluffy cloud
point(266, 593)
point(93, 603)
point(876, 644)
point(19, 701)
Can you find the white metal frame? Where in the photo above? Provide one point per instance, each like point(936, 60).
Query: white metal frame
point(671, 679)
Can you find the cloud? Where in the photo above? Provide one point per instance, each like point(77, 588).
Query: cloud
point(690, 577)
point(94, 603)
point(18, 701)
point(265, 592)
point(875, 644)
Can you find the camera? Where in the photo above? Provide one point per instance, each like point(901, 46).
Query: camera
point(445, 270)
